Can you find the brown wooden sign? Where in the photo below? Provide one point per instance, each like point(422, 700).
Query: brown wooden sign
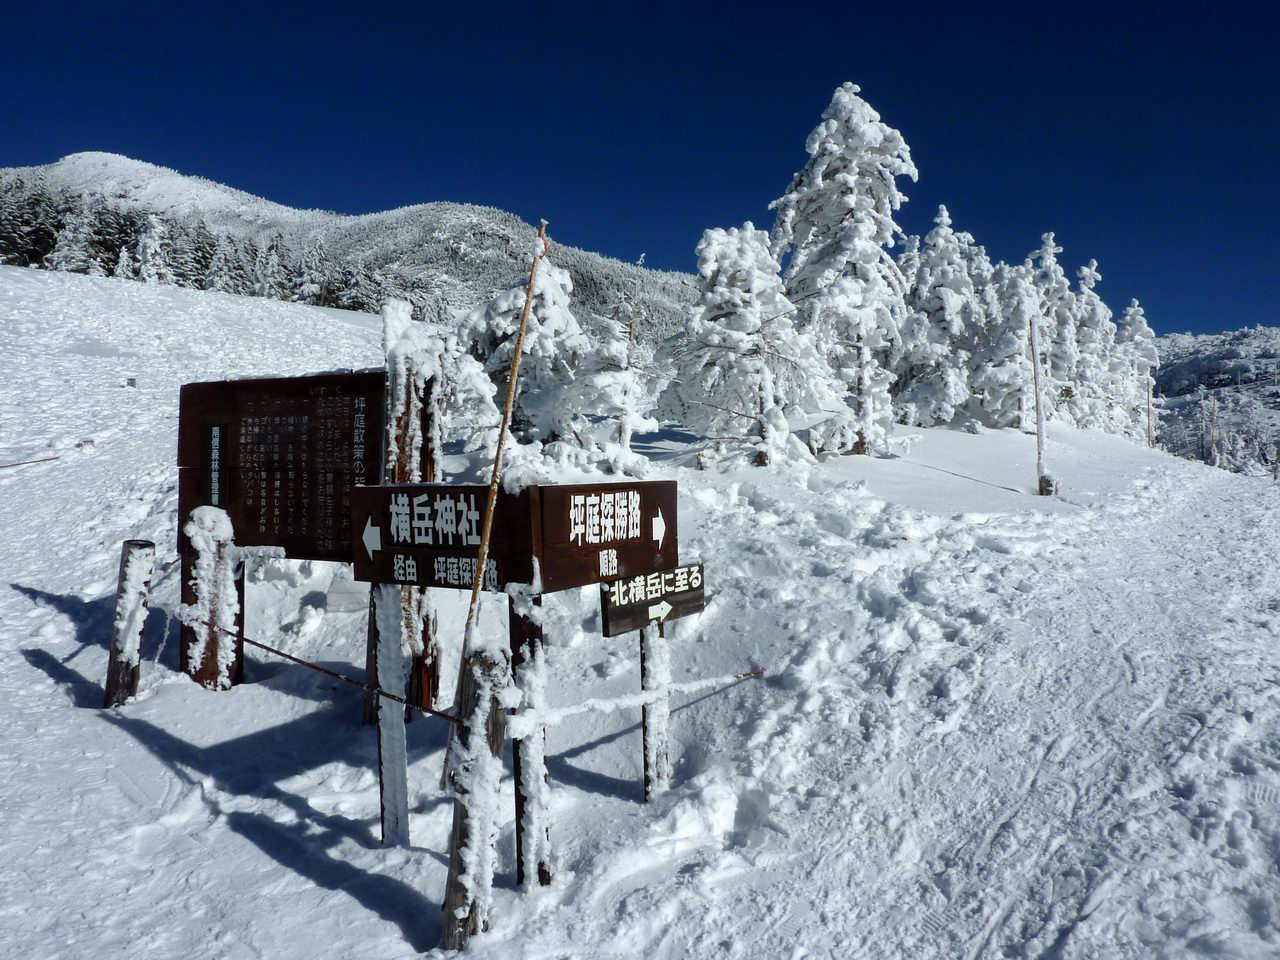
point(281, 456)
point(632, 603)
point(579, 534)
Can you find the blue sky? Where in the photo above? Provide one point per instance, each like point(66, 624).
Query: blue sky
point(1146, 139)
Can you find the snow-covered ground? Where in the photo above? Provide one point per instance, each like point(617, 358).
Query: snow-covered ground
point(993, 725)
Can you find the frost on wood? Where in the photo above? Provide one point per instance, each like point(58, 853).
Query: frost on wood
point(414, 357)
point(655, 654)
point(131, 603)
point(531, 679)
point(213, 580)
point(393, 760)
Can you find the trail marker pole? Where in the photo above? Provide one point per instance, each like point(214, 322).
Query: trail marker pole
point(528, 754)
point(1151, 433)
point(137, 564)
point(1045, 486)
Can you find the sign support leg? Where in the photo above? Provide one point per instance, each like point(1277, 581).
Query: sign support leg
point(393, 762)
point(528, 756)
point(655, 674)
point(208, 633)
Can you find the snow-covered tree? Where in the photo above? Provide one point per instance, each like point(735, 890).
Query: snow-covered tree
point(1057, 333)
point(1093, 404)
point(315, 275)
point(270, 275)
point(154, 252)
point(227, 271)
point(742, 372)
point(1000, 368)
point(1133, 367)
point(360, 289)
point(932, 381)
point(612, 383)
point(554, 345)
point(125, 268)
point(76, 245)
point(833, 227)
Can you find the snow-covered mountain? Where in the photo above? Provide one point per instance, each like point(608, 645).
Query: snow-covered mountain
point(1222, 397)
point(445, 257)
point(992, 724)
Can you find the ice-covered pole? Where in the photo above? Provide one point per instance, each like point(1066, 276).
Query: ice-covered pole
point(1044, 483)
point(137, 563)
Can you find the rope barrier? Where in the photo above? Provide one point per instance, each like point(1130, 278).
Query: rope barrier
point(327, 672)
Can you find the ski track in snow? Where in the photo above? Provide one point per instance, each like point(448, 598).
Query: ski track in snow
point(1009, 734)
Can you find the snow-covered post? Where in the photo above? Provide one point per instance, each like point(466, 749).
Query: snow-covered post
point(528, 754)
point(137, 563)
point(1045, 484)
point(393, 760)
point(475, 774)
point(414, 392)
point(213, 601)
point(655, 675)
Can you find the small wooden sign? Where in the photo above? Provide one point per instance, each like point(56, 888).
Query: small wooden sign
point(281, 456)
point(632, 603)
point(579, 534)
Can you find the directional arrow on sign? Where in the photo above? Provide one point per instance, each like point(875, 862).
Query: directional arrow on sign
point(659, 611)
point(372, 537)
point(659, 528)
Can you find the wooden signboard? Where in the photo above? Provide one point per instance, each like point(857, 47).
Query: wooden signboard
point(282, 455)
point(632, 603)
point(578, 534)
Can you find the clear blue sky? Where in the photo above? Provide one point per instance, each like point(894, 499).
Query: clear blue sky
point(1144, 138)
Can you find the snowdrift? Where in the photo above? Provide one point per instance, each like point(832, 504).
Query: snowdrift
point(992, 724)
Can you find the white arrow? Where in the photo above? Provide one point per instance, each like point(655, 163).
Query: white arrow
point(659, 528)
point(659, 611)
point(372, 537)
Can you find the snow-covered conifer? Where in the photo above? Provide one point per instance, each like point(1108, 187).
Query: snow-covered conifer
point(1133, 367)
point(1057, 332)
point(835, 223)
point(270, 275)
point(154, 252)
point(743, 373)
point(227, 271)
point(612, 383)
point(1093, 404)
point(933, 370)
point(1001, 377)
point(125, 268)
point(553, 347)
point(75, 247)
point(360, 289)
point(315, 275)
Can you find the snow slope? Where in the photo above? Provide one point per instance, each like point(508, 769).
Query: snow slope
point(993, 725)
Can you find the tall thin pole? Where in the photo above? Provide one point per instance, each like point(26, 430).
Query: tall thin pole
point(491, 498)
point(1151, 433)
point(1035, 373)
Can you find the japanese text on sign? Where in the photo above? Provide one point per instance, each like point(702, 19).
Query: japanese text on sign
point(604, 517)
point(438, 519)
point(655, 585)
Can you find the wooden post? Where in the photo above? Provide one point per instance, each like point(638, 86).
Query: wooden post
point(1151, 433)
point(393, 761)
point(214, 564)
point(475, 777)
point(137, 563)
point(655, 674)
point(528, 756)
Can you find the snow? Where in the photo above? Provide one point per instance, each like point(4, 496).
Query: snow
point(131, 603)
point(992, 724)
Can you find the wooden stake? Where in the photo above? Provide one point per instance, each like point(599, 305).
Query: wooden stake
point(137, 563)
point(496, 474)
point(207, 673)
point(393, 770)
point(1151, 433)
